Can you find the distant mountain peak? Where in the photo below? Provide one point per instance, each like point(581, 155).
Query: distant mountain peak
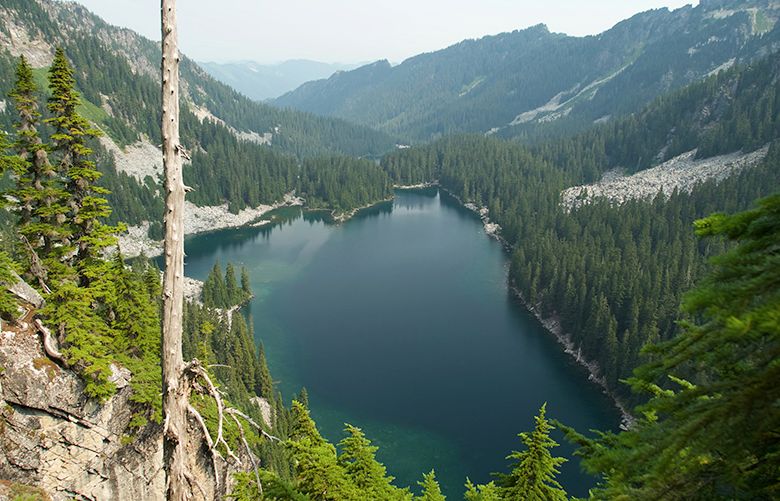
point(558, 81)
point(265, 81)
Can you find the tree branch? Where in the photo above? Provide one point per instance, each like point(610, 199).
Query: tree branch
point(48, 343)
point(248, 451)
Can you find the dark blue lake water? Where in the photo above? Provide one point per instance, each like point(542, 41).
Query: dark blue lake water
point(400, 322)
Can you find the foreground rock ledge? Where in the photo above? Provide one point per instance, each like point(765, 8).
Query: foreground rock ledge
point(55, 438)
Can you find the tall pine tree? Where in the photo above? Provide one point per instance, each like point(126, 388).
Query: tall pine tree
point(430, 488)
point(533, 475)
point(369, 475)
point(38, 188)
point(86, 200)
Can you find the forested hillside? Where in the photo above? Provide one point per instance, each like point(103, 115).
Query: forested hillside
point(612, 276)
point(534, 83)
point(116, 75)
point(117, 70)
point(612, 279)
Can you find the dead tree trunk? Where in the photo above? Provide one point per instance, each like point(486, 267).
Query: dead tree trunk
point(175, 390)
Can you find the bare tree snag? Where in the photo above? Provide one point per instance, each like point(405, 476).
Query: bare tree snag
point(175, 387)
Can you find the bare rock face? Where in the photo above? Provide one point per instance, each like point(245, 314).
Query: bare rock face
point(682, 173)
point(22, 41)
point(265, 409)
point(52, 436)
point(22, 290)
point(53, 439)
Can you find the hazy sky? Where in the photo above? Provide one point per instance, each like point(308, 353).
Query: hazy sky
point(351, 31)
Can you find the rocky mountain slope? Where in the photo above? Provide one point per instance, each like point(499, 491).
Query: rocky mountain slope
point(118, 79)
point(679, 174)
point(118, 73)
point(533, 82)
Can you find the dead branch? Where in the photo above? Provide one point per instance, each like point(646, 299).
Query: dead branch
point(248, 451)
point(197, 370)
point(215, 456)
point(253, 423)
point(48, 343)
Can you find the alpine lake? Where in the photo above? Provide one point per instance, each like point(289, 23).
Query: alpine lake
point(400, 321)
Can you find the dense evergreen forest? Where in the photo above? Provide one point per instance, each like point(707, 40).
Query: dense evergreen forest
point(120, 95)
point(612, 277)
point(703, 377)
point(343, 184)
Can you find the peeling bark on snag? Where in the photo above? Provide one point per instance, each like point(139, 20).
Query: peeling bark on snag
point(179, 485)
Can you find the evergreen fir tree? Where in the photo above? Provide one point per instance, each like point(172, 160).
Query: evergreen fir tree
point(303, 397)
point(264, 385)
point(87, 203)
point(231, 285)
point(714, 436)
point(488, 492)
point(430, 488)
point(41, 198)
point(370, 476)
point(8, 303)
point(246, 288)
point(84, 335)
point(533, 475)
point(135, 322)
point(317, 471)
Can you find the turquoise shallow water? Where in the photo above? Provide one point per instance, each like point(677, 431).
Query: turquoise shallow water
point(400, 322)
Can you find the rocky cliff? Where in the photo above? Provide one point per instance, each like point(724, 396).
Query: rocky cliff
point(70, 447)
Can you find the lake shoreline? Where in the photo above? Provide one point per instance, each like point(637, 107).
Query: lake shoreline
point(198, 221)
point(346, 216)
point(553, 326)
point(550, 324)
point(136, 241)
point(153, 248)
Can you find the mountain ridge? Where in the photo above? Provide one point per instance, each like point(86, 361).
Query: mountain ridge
point(33, 28)
point(267, 81)
point(483, 85)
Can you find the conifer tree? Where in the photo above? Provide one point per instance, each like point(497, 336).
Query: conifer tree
point(264, 385)
point(231, 285)
point(487, 492)
point(135, 321)
point(369, 475)
point(317, 471)
point(7, 301)
point(84, 335)
point(715, 435)
point(430, 488)
point(40, 195)
point(303, 397)
point(245, 284)
point(533, 475)
point(86, 200)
